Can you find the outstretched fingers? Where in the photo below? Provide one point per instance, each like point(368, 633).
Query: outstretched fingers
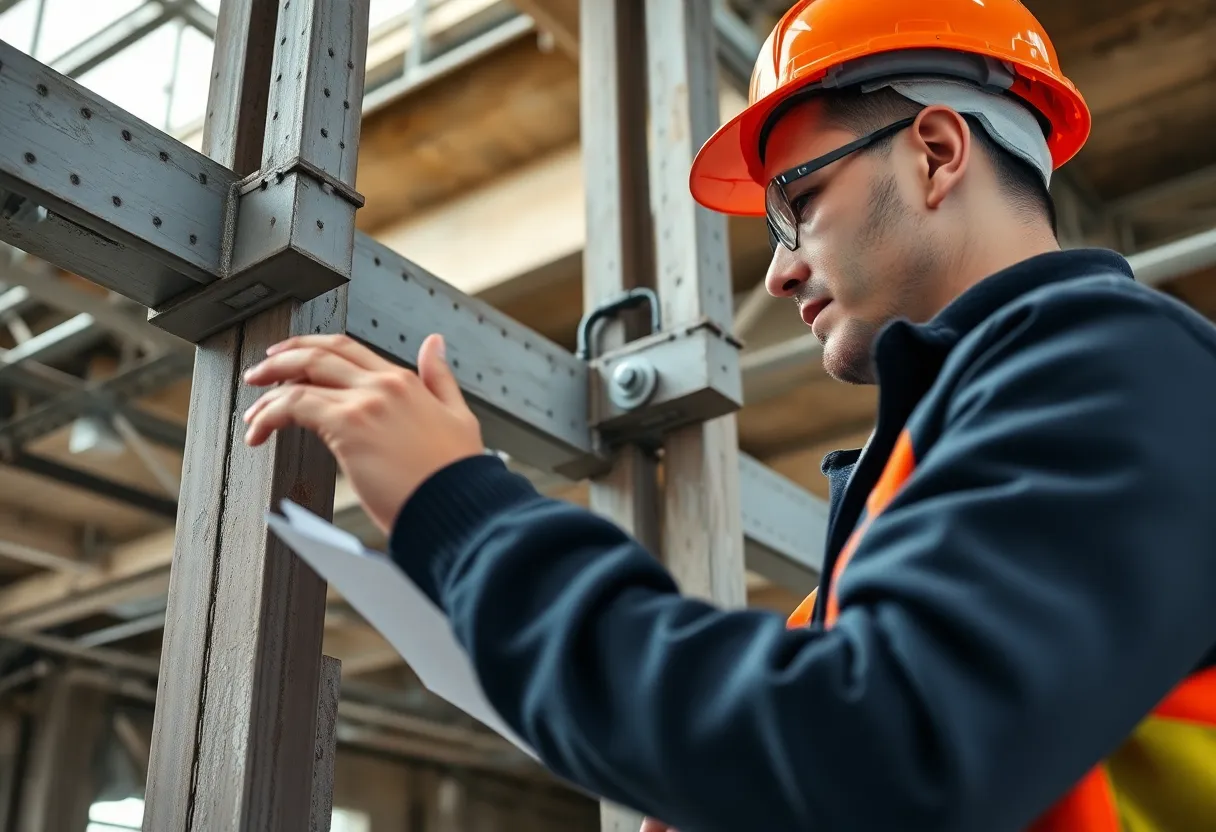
point(310, 365)
point(342, 345)
point(293, 405)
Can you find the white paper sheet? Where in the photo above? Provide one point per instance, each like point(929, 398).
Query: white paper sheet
point(393, 604)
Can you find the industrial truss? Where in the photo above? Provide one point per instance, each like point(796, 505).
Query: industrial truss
point(254, 239)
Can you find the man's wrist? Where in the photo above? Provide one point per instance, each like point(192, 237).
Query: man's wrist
point(447, 513)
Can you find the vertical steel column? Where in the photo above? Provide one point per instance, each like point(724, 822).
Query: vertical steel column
point(619, 254)
point(693, 253)
point(326, 753)
point(702, 520)
point(703, 542)
point(236, 713)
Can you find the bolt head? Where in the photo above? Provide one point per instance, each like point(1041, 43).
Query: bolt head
point(626, 376)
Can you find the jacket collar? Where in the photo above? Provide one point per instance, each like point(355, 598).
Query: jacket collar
point(970, 309)
point(978, 303)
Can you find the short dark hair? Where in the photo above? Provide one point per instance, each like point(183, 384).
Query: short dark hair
point(863, 113)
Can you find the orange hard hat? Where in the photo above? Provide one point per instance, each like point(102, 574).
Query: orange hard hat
point(821, 44)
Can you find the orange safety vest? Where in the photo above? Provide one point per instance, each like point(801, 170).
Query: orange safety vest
point(1161, 779)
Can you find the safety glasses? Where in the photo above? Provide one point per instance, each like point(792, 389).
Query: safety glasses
point(783, 220)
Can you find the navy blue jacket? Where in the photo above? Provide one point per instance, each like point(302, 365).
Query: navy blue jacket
point(1041, 580)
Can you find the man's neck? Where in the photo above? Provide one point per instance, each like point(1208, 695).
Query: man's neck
point(992, 251)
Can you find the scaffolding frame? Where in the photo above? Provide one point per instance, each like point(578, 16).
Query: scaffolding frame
point(253, 239)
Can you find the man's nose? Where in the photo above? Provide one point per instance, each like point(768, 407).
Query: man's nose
point(786, 274)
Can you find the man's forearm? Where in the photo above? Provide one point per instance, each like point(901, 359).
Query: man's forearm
point(711, 720)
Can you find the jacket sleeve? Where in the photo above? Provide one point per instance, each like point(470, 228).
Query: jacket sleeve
point(1041, 581)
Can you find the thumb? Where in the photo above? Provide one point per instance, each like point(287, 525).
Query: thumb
point(434, 371)
point(652, 825)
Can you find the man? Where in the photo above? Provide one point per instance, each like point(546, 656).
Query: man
point(1016, 627)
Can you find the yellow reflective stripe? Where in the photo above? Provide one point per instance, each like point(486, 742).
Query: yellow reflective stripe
point(1164, 777)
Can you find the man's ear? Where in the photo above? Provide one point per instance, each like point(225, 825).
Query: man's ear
point(943, 138)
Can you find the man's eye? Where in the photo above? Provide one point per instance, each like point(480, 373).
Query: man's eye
point(801, 202)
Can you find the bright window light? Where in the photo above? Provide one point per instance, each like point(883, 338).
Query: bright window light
point(349, 820)
point(128, 815)
point(382, 11)
point(193, 80)
point(116, 815)
point(17, 25)
point(139, 78)
point(68, 23)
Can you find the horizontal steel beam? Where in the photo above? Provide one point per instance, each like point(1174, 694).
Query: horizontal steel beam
point(100, 171)
point(538, 402)
point(49, 346)
point(1189, 255)
point(530, 394)
point(784, 527)
point(79, 398)
point(40, 284)
point(88, 481)
point(784, 531)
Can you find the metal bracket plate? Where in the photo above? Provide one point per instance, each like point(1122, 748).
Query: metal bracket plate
point(697, 378)
point(293, 231)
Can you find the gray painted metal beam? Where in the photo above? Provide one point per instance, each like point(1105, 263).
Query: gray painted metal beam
point(785, 527)
point(1157, 266)
point(15, 300)
point(73, 248)
point(47, 347)
point(100, 171)
point(88, 481)
point(42, 285)
point(76, 398)
point(41, 380)
point(198, 17)
point(530, 394)
point(737, 46)
point(295, 223)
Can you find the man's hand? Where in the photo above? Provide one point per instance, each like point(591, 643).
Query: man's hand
point(652, 825)
point(389, 429)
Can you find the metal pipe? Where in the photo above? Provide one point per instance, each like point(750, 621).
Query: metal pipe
point(169, 482)
point(39, 20)
point(171, 84)
point(125, 630)
point(1165, 263)
point(143, 665)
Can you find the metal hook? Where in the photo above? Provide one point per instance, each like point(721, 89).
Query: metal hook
point(629, 300)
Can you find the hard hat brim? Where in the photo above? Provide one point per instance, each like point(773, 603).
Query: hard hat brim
point(723, 176)
point(726, 175)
